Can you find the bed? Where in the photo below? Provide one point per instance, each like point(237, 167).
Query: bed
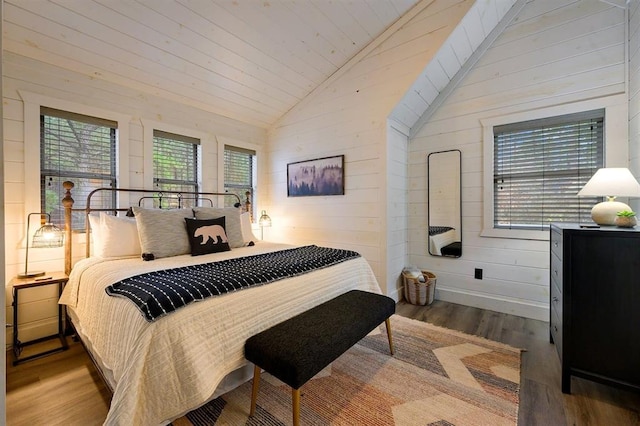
point(159, 370)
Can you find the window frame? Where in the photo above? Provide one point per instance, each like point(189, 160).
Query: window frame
point(532, 157)
point(32, 103)
point(254, 162)
point(194, 146)
point(205, 175)
point(615, 152)
point(257, 200)
point(70, 174)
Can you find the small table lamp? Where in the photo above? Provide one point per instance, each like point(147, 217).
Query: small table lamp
point(264, 221)
point(48, 235)
point(610, 183)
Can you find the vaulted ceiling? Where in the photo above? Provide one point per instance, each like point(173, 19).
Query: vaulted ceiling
point(249, 60)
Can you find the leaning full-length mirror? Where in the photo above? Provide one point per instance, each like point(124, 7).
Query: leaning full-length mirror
point(445, 207)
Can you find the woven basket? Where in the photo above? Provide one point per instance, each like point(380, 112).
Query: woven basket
point(418, 293)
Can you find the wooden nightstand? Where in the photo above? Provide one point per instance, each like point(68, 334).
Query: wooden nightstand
point(52, 278)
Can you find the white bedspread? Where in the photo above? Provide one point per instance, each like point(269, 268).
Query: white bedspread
point(161, 370)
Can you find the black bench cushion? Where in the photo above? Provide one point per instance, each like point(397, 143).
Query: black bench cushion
point(453, 249)
point(299, 348)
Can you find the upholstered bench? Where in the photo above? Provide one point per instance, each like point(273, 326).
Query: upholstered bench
point(297, 349)
point(452, 250)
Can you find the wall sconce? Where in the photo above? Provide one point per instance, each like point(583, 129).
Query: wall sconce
point(264, 221)
point(48, 235)
point(610, 183)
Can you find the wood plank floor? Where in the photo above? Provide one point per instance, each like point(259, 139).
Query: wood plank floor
point(64, 389)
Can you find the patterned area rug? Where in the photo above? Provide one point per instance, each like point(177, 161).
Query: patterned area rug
point(437, 377)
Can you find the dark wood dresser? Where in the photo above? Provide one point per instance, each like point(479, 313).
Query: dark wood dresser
point(595, 304)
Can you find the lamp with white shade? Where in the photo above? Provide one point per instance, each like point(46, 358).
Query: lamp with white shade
point(610, 182)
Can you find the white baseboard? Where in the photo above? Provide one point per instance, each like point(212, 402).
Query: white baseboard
point(483, 301)
point(395, 295)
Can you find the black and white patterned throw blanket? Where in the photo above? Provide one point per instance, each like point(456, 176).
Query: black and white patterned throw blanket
point(159, 293)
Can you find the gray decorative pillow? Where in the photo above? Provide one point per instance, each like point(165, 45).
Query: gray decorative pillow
point(163, 233)
point(232, 221)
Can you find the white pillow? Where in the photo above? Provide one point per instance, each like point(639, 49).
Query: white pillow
point(97, 246)
point(247, 232)
point(119, 236)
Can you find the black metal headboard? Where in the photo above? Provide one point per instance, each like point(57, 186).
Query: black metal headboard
point(160, 196)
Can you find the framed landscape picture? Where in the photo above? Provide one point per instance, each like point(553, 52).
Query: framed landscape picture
point(322, 176)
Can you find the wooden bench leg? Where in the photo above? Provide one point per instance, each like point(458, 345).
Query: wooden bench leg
point(295, 394)
point(254, 390)
point(387, 322)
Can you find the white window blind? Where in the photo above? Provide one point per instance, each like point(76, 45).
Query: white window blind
point(175, 163)
point(539, 167)
point(239, 173)
point(78, 148)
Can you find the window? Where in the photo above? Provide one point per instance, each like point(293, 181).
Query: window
point(539, 167)
point(78, 148)
point(175, 164)
point(239, 175)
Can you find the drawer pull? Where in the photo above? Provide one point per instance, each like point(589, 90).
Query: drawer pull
point(555, 299)
point(555, 327)
point(555, 244)
point(555, 271)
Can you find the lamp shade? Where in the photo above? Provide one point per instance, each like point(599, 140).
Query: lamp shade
point(47, 236)
point(263, 222)
point(611, 183)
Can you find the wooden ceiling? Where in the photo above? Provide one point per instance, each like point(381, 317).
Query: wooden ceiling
point(250, 60)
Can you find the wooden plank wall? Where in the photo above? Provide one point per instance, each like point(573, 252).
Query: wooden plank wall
point(552, 54)
point(21, 74)
point(3, 386)
point(397, 217)
point(349, 116)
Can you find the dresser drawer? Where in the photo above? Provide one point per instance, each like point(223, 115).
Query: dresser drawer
point(556, 331)
point(556, 272)
point(556, 243)
point(556, 299)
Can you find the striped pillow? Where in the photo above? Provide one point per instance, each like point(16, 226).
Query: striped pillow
point(163, 233)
